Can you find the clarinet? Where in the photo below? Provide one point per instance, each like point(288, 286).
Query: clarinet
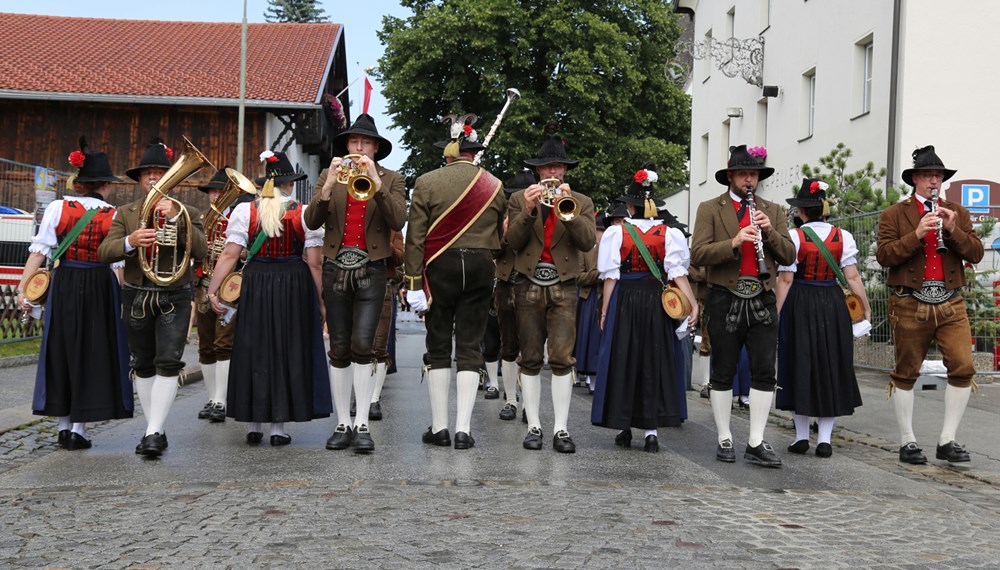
point(935, 198)
point(758, 244)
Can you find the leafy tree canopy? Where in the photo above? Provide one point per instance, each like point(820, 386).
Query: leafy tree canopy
point(596, 68)
point(294, 11)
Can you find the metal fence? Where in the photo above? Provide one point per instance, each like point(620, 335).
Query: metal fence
point(876, 351)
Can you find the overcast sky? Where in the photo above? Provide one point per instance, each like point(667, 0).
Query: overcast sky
point(361, 22)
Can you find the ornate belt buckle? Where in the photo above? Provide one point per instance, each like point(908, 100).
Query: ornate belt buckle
point(747, 287)
point(933, 293)
point(351, 258)
point(545, 275)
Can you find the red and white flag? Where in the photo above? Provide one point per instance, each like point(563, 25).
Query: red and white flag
point(368, 94)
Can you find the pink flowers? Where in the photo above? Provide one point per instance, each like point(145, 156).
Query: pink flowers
point(76, 158)
point(757, 152)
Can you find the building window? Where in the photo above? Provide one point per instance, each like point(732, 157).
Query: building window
point(866, 93)
point(703, 163)
point(731, 23)
point(706, 62)
point(808, 103)
point(761, 130)
point(765, 15)
point(864, 59)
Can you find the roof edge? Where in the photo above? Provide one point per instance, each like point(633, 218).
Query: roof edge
point(151, 99)
point(329, 65)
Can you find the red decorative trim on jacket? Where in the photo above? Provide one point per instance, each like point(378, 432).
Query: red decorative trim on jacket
point(812, 266)
point(655, 240)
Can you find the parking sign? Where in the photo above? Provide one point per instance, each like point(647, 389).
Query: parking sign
point(976, 197)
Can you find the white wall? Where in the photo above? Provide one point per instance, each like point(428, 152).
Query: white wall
point(298, 158)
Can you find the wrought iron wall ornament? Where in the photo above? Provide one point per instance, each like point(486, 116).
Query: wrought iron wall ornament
point(734, 57)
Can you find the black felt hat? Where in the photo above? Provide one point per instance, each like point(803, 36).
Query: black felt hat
point(461, 136)
point(93, 166)
point(520, 181)
point(926, 159)
point(279, 168)
point(553, 150)
point(617, 210)
point(641, 192)
point(218, 182)
point(811, 193)
point(156, 155)
point(364, 126)
point(742, 158)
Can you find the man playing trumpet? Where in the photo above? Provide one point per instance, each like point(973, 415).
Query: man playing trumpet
point(549, 240)
point(355, 249)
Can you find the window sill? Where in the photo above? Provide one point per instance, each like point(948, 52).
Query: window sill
point(805, 138)
point(859, 115)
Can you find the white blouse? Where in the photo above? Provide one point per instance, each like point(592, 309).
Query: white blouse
point(823, 229)
point(675, 262)
point(239, 221)
point(46, 240)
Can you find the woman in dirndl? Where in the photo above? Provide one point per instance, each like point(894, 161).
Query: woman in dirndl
point(278, 372)
point(637, 383)
point(815, 340)
point(588, 310)
point(83, 368)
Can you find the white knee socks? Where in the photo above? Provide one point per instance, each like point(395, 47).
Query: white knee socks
point(825, 429)
point(491, 375)
point(760, 409)
point(341, 381)
point(64, 423)
point(364, 385)
point(562, 391)
point(722, 409)
point(955, 401)
point(438, 382)
point(161, 400)
point(509, 379)
point(208, 376)
point(468, 385)
point(144, 389)
point(380, 371)
point(531, 393)
point(801, 427)
point(902, 402)
point(221, 382)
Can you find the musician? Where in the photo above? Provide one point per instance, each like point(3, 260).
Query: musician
point(735, 247)
point(638, 381)
point(156, 316)
point(815, 340)
point(926, 303)
point(83, 365)
point(547, 262)
point(355, 250)
point(449, 272)
point(503, 297)
point(278, 372)
point(385, 334)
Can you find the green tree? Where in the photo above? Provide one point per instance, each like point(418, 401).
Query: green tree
point(594, 67)
point(294, 11)
point(852, 192)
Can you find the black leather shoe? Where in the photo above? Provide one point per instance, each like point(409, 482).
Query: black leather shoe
point(801, 446)
point(951, 451)
point(492, 393)
point(533, 440)
point(277, 440)
point(63, 437)
point(824, 450)
point(912, 454)
point(341, 438)
point(77, 441)
point(509, 412)
point(441, 438)
point(218, 414)
point(524, 417)
point(203, 414)
point(725, 452)
point(706, 392)
point(363, 442)
point(254, 437)
point(624, 438)
point(153, 445)
point(563, 443)
point(763, 455)
point(652, 444)
point(463, 440)
point(375, 412)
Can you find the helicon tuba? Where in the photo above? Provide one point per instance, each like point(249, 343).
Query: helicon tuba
point(215, 220)
point(565, 206)
point(355, 175)
point(150, 260)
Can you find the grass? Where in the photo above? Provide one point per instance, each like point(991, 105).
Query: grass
point(20, 347)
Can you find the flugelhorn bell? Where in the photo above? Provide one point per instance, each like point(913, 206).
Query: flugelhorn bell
point(354, 174)
point(565, 206)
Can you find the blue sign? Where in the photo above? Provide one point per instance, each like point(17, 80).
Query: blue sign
point(45, 179)
point(976, 197)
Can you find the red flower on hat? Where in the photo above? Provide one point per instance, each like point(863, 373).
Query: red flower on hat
point(76, 158)
point(641, 176)
point(169, 151)
point(467, 130)
point(814, 187)
point(272, 158)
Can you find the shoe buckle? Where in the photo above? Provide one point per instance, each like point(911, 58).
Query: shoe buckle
point(726, 444)
point(767, 446)
point(535, 431)
point(562, 434)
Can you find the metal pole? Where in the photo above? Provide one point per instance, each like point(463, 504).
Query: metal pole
point(243, 88)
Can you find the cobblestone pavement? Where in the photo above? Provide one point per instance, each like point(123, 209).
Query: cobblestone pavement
point(212, 502)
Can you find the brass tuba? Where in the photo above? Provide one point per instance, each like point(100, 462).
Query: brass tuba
point(565, 206)
point(215, 220)
point(355, 175)
point(150, 261)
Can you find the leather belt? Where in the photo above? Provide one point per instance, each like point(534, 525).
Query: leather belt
point(545, 274)
point(350, 258)
point(747, 287)
point(932, 293)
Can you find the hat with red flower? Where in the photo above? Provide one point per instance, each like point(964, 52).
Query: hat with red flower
point(277, 167)
point(462, 137)
point(811, 193)
point(642, 191)
point(91, 166)
point(553, 150)
point(156, 155)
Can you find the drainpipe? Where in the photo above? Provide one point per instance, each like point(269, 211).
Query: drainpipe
point(890, 161)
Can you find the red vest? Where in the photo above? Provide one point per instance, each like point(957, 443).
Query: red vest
point(292, 240)
point(632, 261)
point(85, 246)
point(812, 266)
point(354, 224)
point(934, 269)
point(748, 251)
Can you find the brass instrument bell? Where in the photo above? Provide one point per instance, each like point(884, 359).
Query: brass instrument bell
point(354, 174)
point(565, 206)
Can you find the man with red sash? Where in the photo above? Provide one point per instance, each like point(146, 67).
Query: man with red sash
point(547, 263)
point(926, 304)
point(741, 305)
point(454, 228)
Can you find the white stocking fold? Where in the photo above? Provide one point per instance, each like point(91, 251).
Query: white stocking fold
point(222, 381)
point(468, 385)
point(902, 403)
point(341, 382)
point(955, 401)
point(722, 409)
point(760, 409)
point(438, 383)
point(531, 394)
point(509, 379)
point(562, 392)
point(161, 400)
point(364, 385)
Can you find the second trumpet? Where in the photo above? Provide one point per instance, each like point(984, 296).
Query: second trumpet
point(565, 206)
point(354, 174)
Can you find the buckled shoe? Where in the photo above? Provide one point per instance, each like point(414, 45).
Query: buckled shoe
point(440, 439)
point(533, 440)
point(509, 412)
point(912, 454)
point(363, 442)
point(463, 440)
point(725, 451)
point(341, 438)
point(492, 393)
point(952, 452)
point(563, 443)
point(763, 455)
point(218, 414)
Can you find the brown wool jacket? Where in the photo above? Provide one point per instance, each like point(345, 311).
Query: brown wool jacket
point(526, 230)
point(900, 250)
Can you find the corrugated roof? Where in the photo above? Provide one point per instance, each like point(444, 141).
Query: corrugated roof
point(143, 58)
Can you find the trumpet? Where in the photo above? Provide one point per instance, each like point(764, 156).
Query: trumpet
point(354, 174)
point(565, 206)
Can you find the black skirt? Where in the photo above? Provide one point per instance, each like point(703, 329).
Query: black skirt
point(83, 367)
point(636, 379)
point(588, 332)
point(816, 352)
point(278, 371)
